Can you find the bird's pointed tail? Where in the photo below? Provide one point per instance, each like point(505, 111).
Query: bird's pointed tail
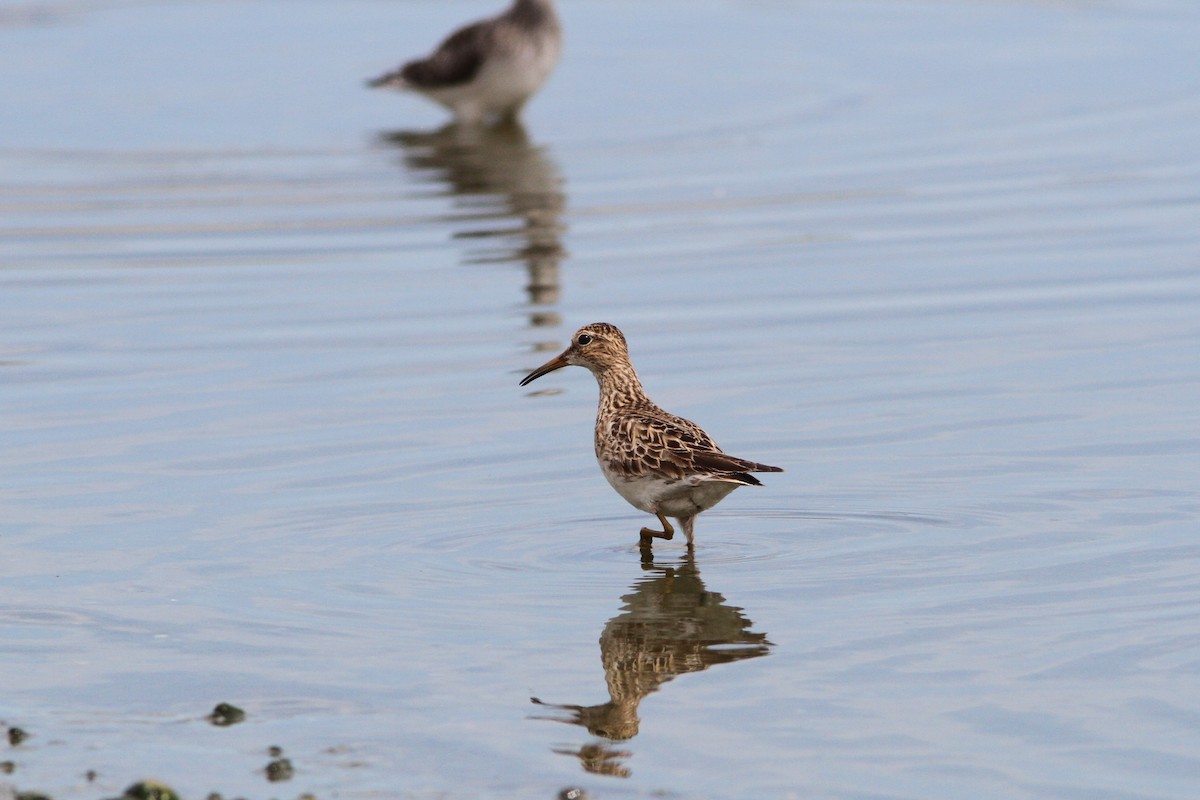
point(391, 80)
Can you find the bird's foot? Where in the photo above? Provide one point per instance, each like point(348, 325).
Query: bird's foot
point(649, 534)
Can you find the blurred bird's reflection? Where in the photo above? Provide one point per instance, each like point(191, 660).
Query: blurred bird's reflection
point(669, 625)
point(497, 178)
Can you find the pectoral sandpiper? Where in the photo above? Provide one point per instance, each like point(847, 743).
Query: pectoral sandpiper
point(490, 68)
point(660, 463)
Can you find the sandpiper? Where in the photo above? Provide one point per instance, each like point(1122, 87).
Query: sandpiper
point(488, 69)
point(660, 463)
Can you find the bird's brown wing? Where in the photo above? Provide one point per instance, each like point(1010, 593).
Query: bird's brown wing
point(722, 462)
point(456, 61)
point(652, 441)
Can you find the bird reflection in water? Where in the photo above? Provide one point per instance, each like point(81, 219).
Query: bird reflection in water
point(497, 177)
point(669, 625)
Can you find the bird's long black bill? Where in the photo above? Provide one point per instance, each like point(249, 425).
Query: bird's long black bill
point(558, 362)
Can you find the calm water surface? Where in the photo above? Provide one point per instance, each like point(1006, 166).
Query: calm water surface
point(260, 338)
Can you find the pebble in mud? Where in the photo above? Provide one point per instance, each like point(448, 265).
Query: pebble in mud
point(281, 768)
point(225, 715)
point(149, 790)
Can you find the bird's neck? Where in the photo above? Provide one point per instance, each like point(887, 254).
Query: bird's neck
point(620, 388)
point(534, 13)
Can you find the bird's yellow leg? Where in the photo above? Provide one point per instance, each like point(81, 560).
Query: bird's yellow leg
point(666, 533)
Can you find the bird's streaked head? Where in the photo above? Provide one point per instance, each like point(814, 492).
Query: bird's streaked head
point(599, 346)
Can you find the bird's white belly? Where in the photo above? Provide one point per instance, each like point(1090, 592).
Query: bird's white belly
point(503, 84)
point(673, 498)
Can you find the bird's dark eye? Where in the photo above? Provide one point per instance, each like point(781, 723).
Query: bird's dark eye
point(584, 339)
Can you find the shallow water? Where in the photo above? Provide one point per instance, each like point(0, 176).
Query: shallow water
point(264, 444)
